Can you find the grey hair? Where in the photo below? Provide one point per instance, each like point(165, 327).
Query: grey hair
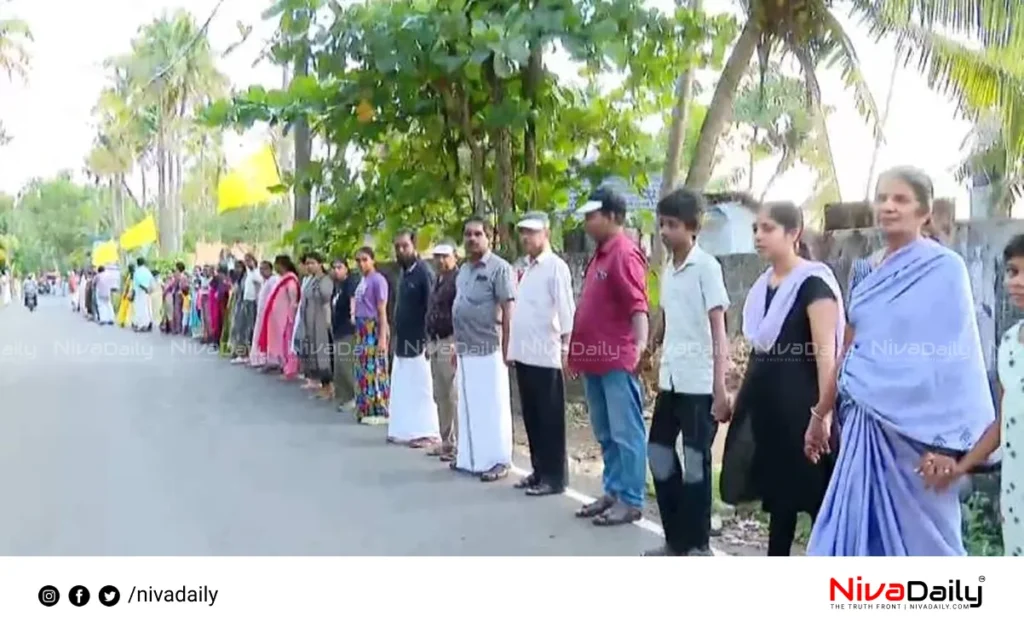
point(917, 180)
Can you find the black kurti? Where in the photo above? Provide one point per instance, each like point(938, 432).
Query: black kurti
point(764, 457)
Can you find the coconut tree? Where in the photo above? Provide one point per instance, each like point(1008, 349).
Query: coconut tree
point(810, 32)
point(172, 66)
point(14, 58)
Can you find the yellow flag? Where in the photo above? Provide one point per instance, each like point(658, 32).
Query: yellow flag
point(139, 235)
point(249, 183)
point(104, 253)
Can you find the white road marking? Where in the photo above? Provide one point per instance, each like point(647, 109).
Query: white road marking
point(644, 524)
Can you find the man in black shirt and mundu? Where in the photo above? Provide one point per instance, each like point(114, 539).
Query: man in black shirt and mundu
point(413, 419)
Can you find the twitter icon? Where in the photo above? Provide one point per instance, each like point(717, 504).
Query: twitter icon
point(109, 596)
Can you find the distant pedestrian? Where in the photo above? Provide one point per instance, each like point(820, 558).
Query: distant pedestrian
point(142, 306)
point(608, 338)
point(482, 314)
point(245, 313)
point(413, 418)
point(539, 347)
point(106, 281)
point(441, 350)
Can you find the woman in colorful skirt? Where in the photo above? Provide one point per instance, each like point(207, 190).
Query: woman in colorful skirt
point(370, 312)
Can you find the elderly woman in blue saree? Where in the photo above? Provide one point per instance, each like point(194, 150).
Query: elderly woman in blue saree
point(912, 382)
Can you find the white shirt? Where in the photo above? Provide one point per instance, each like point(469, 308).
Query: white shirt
point(545, 308)
point(688, 293)
point(251, 287)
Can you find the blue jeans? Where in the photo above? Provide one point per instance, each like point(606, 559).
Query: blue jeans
point(616, 415)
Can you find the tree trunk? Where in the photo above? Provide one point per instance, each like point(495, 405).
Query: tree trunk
point(142, 175)
point(533, 74)
point(166, 223)
point(881, 126)
point(721, 106)
point(676, 143)
point(476, 155)
point(504, 195)
point(303, 149)
point(827, 141)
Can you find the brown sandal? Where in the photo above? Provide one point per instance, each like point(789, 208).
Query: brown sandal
point(595, 508)
point(618, 514)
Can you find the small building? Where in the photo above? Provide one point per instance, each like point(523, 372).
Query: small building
point(728, 225)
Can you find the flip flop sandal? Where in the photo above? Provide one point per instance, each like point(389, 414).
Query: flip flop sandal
point(448, 457)
point(495, 474)
point(619, 514)
point(595, 508)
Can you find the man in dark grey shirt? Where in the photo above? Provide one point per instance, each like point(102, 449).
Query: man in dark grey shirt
point(484, 296)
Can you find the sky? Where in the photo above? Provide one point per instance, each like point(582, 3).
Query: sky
point(51, 122)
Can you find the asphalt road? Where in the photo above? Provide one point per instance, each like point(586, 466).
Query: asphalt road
point(115, 443)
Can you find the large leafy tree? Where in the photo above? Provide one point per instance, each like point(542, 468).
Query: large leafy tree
point(450, 110)
point(56, 218)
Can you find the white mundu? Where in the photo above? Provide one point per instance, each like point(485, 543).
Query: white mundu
point(413, 415)
point(485, 413)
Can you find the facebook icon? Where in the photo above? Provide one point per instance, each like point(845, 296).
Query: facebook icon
point(79, 596)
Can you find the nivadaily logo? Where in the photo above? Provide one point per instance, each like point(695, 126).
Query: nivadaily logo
point(910, 594)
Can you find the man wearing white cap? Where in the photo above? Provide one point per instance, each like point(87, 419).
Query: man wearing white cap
point(441, 348)
point(482, 314)
point(413, 420)
point(538, 345)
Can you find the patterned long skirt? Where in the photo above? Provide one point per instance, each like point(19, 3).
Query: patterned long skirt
point(372, 380)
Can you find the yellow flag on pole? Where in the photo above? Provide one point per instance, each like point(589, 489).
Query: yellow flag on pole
point(104, 253)
point(249, 183)
point(139, 235)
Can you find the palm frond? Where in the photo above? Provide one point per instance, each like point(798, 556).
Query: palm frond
point(992, 23)
point(838, 50)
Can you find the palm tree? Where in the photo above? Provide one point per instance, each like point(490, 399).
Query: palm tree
point(991, 161)
point(809, 32)
point(173, 69)
point(14, 57)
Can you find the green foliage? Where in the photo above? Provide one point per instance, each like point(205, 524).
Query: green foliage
point(448, 117)
point(56, 218)
point(981, 525)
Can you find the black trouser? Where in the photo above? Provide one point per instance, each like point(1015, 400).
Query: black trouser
point(683, 490)
point(782, 531)
point(542, 398)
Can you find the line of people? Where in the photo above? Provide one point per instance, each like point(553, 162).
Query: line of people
point(844, 410)
point(137, 294)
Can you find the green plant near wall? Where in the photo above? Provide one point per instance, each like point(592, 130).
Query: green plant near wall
point(981, 531)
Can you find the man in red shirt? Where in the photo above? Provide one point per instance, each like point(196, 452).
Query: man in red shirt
point(609, 336)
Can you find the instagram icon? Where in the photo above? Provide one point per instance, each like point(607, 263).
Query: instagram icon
point(49, 596)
